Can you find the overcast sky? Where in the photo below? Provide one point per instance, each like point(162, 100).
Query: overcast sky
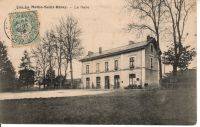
point(102, 23)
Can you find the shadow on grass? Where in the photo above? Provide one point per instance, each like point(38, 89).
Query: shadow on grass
point(119, 107)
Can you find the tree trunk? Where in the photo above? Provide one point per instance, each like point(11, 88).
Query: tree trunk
point(44, 76)
point(160, 67)
point(159, 55)
point(71, 73)
point(174, 70)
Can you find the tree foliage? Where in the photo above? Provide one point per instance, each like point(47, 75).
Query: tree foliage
point(7, 72)
point(186, 56)
point(26, 72)
point(25, 62)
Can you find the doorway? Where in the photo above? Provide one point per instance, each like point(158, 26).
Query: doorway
point(107, 82)
point(116, 81)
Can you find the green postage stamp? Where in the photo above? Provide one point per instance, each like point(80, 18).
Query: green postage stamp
point(24, 27)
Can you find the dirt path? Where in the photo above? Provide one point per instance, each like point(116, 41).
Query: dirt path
point(48, 94)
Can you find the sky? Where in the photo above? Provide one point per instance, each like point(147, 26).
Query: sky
point(103, 24)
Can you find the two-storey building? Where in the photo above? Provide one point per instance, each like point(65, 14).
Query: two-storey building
point(132, 64)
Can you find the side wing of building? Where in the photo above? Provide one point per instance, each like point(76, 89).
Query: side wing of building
point(151, 65)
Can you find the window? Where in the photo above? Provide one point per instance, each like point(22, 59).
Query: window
point(106, 66)
point(152, 48)
point(151, 63)
point(87, 69)
point(131, 62)
point(98, 81)
point(97, 68)
point(116, 64)
point(131, 79)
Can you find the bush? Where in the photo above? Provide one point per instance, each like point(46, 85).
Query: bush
point(146, 85)
point(139, 86)
point(133, 87)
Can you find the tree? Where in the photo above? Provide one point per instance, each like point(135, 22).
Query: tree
point(26, 62)
point(40, 56)
point(183, 61)
point(71, 41)
point(59, 49)
point(26, 71)
point(7, 72)
point(49, 46)
point(151, 15)
point(26, 77)
point(50, 76)
point(178, 13)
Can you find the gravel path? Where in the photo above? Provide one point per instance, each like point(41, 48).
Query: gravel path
point(49, 94)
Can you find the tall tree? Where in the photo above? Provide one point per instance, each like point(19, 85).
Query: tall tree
point(71, 40)
point(26, 72)
point(7, 72)
point(178, 13)
point(151, 15)
point(40, 56)
point(59, 50)
point(49, 46)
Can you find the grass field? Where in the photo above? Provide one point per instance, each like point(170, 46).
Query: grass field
point(119, 107)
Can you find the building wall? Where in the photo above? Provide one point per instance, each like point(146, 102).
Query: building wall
point(123, 72)
point(151, 74)
point(143, 70)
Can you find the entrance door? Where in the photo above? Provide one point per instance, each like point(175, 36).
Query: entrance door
point(98, 82)
point(116, 82)
point(87, 83)
point(107, 82)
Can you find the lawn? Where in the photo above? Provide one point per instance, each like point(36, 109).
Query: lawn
point(119, 107)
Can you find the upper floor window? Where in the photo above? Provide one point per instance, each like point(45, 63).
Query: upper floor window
point(116, 64)
point(151, 48)
point(97, 67)
point(106, 66)
point(151, 63)
point(131, 62)
point(87, 69)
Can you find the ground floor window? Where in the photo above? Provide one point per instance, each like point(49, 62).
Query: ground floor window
point(98, 82)
point(107, 82)
point(131, 79)
point(116, 81)
point(87, 83)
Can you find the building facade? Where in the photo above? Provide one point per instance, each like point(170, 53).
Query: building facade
point(132, 64)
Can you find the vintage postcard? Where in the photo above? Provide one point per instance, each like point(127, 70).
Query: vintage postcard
point(121, 62)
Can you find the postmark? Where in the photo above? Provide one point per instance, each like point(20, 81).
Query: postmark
point(24, 27)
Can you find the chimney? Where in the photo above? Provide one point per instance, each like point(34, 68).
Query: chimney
point(131, 42)
point(100, 50)
point(149, 38)
point(90, 53)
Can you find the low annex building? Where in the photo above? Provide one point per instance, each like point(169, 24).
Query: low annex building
point(132, 64)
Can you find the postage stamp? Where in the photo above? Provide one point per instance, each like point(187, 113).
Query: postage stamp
point(24, 27)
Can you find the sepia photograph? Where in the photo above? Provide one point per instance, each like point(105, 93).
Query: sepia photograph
point(98, 62)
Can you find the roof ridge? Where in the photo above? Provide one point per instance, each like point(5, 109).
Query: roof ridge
point(120, 46)
point(117, 50)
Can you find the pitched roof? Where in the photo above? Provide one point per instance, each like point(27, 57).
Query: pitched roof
point(116, 51)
